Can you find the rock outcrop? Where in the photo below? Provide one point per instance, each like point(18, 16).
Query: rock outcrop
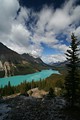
point(1, 66)
point(8, 68)
point(35, 92)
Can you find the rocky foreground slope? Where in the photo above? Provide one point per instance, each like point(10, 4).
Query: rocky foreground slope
point(29, 108)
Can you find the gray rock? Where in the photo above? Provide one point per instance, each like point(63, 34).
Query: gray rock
point(29, 108)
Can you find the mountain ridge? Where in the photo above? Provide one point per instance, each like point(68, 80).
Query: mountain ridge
point(12, 63)
point(32, 59)
point(8, 54)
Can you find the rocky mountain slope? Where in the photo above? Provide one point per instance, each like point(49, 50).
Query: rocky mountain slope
point(31, 59)
point(12, 63)
point(7, 54)
point(37, 63)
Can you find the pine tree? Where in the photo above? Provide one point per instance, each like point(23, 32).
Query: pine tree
point(72, 80)
point(51, 93)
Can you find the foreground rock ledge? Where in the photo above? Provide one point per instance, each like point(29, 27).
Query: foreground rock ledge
point(29, 108)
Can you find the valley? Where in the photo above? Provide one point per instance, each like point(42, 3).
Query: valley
point(12, 63)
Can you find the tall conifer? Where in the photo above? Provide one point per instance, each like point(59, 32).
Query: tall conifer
point(72, 80)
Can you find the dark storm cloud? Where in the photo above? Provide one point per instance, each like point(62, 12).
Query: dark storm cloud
point(38, 4)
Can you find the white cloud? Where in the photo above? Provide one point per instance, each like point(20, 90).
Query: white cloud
point(20, 33)
point(61, 47)
point(75, 16)
point(43, 28)
point(35, 50)
point(59, 21)
point(23, 15)
point(44, 17)
point(54, 58)
point(77, 32)
point(8, 9)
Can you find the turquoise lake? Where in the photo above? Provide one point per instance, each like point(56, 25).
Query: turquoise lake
point(16, 80)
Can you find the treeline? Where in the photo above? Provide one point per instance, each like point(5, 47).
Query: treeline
point(50, 82)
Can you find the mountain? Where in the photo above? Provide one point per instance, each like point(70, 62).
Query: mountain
point(7, 54)
point(59, 64)
point(31, 59)
point(12, 63)
point(36, 63)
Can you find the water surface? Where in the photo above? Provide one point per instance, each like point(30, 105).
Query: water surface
point(16, 80)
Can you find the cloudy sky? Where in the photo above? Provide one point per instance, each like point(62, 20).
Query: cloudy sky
point(39, 27)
